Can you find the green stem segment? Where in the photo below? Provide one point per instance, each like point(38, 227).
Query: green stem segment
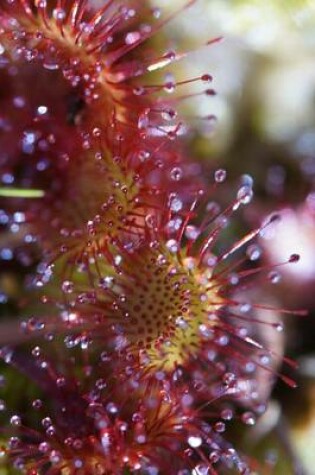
point(21, 193)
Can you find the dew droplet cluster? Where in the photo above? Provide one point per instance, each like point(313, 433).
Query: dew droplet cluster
point(139, 337)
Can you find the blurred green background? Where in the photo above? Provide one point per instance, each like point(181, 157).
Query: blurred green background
point(264, 75)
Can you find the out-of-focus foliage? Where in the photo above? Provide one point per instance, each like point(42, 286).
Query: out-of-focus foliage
point(264, 74)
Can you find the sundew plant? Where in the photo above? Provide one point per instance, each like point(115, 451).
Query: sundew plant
point(136, 339)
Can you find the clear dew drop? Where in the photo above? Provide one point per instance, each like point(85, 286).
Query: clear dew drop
point(169, 114)
point(50, 65)
point(106, 282)
point(265, 359)
point(37, 404)
point(194, 441)
point(156, 12)
point(55, 457)
point(219, 427)
point(229, 379)
point(44, 447)
point(15, 420)
point(214, 456)
point(181, 322)
point(169, 84)
point(279, 327)
point(200, 469)
point(248, 418)
point(6, 353)
point(112, 408)
point(132, 37)
point(245, 195)
point(60, 382)
point(234, 279)
point(253, 252)
point(176, 205)
point(220, 175)
point(192, 232)
point(19, 464)
point(50, 431)
point(143, 121)
point(67, 287)
point(274, 277)
point(174, 224)
point(14, 442)
point(176, 174)
point(227, 414)
point(172, 246)
point(59, 14)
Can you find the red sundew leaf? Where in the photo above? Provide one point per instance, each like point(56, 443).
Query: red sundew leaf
point(99, 425)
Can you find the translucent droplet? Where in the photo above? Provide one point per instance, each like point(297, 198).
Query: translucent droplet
point(192, 232)
point(174, 224)
point(51, 65)
point(44, 447)
point(265, 359)
point(194, 441)
point(176, 205)
point(36, 351)
point(112, 408)
point(234, 279)
point(59, 14)
point(229, 379)
point(55, 457)
point(169, 114)
point(214, 456)
point(67, 286)
point(96, 132)
point(172, 245)
point(219, 427)
point(15, 420)
point(181, 322)
point(245, 195)
point(138, 91)
point(132, 37)
point(169, 87)
point(274, 277)
point(253, 252)
point(220, 175)
point(143, 121)
point(37, 404)
point(91, 228)
point(50, 431)
point(46, 422)
point(245, 307)
point(279, 327)
point(200, 469)
point(60, 382)
point(248, 418)
point(227, 414)
point(19, 102)
point(156, 12)
point(42, 110)
point(78, 463)
point(176, 173)
point(106, 282)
